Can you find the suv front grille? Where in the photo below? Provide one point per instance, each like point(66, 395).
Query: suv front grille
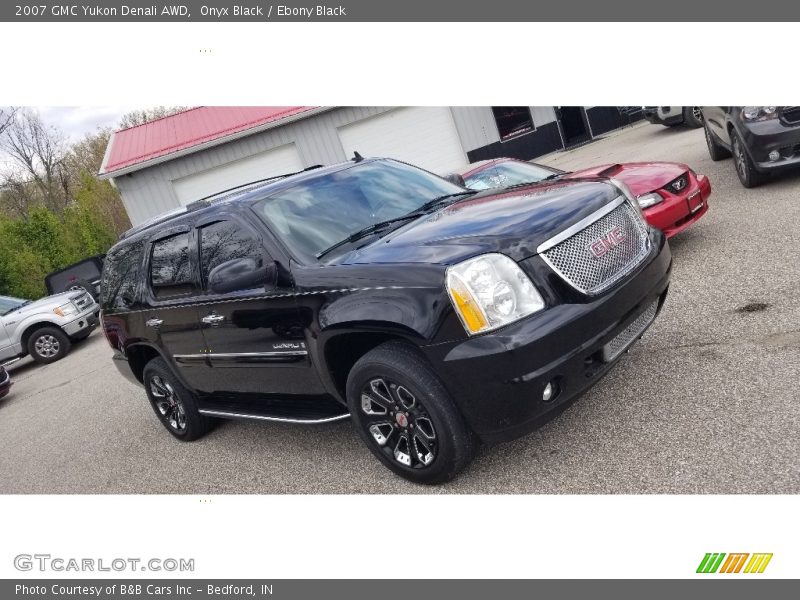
point(603, 252)
point(791, 114)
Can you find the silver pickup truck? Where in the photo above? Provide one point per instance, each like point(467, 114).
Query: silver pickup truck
point(45, 328)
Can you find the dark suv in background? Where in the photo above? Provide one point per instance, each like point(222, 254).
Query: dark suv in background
point(762, 139)
point(434, 316)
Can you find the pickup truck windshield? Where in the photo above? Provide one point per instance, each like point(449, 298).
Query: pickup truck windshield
point(317, 214)
point(7, 304)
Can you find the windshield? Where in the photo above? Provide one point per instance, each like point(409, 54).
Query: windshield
point(316, 214)
point(7, 304)
point(506, 174)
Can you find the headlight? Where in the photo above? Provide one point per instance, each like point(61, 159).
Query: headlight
point(651, 199)
point(759, 113)
point(66, 310)
point(626, 191)
point(490, 291)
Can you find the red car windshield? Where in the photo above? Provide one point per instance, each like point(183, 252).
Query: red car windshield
point(506, 174)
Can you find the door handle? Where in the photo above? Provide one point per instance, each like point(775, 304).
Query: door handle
point(154, 322)
point(213, 320)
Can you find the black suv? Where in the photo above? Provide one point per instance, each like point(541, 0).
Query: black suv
point(762, 139)
point(434, 316)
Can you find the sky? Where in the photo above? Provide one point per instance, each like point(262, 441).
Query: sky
point(75, 121)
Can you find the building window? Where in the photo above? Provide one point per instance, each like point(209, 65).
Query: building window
point(512, 120)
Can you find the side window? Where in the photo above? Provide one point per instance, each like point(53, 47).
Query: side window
point(170, 267)
point(121, 276)
point(223, 241)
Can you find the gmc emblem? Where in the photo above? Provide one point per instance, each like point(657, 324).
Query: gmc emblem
point(609, 241)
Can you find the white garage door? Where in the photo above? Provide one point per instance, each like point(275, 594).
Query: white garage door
point(284, 159)
point(422, 136)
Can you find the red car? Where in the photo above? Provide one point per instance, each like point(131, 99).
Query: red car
point(671, 195)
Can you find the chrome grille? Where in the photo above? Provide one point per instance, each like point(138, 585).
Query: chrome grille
point(791, 114)
point(576, 258)
point(628, 335)
point(83, 301)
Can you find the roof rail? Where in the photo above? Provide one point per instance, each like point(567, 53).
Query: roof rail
point(203, 202)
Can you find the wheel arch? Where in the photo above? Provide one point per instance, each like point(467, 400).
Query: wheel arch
point(140, 354)
point(32, 328)
point(342, 348)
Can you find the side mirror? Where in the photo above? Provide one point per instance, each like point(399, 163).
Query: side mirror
point(241, 274)
point(456, 179)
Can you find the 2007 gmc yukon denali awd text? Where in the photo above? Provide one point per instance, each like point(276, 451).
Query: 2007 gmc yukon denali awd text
point(434, 316)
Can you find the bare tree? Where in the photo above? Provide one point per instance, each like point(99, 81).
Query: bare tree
point(145, 115)
point(6, 116)
point(37, 154)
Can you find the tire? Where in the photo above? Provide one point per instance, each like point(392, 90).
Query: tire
point(173, 404)
point(81, 284)
point(48, 344)
point(692, 117)
point(745, 168)
point(406, 417)
point(715, 151)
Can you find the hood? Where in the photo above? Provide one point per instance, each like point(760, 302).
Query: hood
point(49, 302)
point(641, 177)
point(514, 222)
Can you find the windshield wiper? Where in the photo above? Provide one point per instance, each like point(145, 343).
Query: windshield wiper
point(369, 229)
point(438, 200)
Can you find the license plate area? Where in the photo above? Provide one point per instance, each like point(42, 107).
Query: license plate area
point(695, 201)
point(629, 335)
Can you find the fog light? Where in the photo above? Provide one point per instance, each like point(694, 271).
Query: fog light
point(774, 155)
point(549, 392)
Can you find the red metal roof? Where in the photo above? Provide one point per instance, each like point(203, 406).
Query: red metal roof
point(184, 130)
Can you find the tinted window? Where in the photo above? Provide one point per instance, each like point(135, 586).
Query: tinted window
point(88, 270)
point(507, 173)
point(512, 120)
point(317, 213)
point(170, 268)
point(223, 241)
point(121, 275)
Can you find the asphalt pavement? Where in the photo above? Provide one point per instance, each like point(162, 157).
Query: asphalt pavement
point(706, 402)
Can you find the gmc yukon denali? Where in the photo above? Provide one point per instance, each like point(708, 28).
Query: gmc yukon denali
point(433, 316)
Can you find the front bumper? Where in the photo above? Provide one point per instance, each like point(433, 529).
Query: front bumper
point(763, 137)
point(498, 379)
point(663, 115)
point(86, 320)
point(677, 212)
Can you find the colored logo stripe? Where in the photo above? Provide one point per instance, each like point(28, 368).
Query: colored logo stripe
point(758, 563)
point(710, 562)
point(733, 564)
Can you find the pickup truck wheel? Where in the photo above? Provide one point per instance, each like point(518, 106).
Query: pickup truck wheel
point(715, 151)
point(745, 168)
point(174, 405)
point(406, 417)
point(48, 344)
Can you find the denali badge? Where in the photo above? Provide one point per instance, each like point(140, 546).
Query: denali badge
point(607, 242)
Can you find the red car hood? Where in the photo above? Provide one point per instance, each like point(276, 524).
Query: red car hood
point(640, 177)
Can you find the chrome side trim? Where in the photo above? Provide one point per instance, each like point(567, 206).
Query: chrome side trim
point(580, 225)
point(232, 415)
point(243, 354)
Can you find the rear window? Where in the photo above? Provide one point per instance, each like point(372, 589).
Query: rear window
point(87, 270)
point(120, 276)
point(170, 268)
